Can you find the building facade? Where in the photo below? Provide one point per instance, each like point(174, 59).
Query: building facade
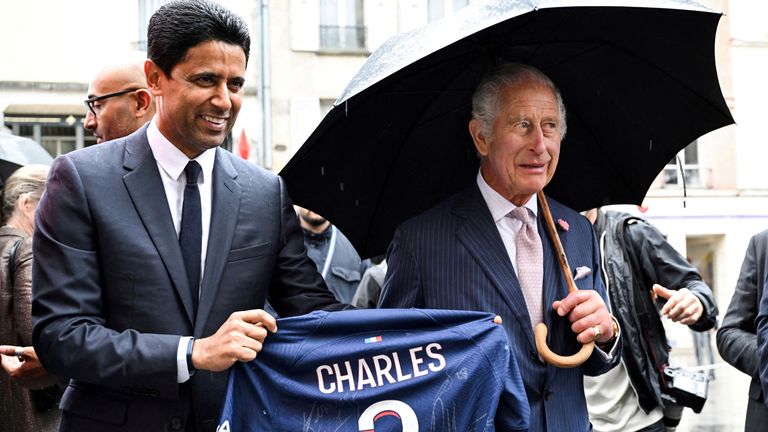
point(52, 49)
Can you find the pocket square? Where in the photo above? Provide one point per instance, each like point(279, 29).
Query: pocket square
point(581, 273)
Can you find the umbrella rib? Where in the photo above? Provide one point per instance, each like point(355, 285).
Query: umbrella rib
point(400, 151)
point(604, 43)
point(676, 80)
point(644, 60)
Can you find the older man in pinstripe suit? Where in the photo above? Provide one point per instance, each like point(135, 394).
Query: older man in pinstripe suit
point(468, 253)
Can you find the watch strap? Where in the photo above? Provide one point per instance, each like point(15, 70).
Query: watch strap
point(190, 366)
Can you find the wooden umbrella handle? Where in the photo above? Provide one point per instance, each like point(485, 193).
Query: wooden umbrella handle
point(540, 336)
point(540, 331)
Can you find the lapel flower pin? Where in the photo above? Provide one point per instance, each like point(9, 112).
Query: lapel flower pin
point(562, 225)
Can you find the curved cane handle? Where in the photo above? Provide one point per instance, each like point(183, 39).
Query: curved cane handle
point(540, 336)
point(540, 331)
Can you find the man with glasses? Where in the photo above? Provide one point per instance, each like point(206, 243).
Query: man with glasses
point(118, 102)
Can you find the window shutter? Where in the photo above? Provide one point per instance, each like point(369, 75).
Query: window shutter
point(413, 14)
point(305, 25)
point(380, 22)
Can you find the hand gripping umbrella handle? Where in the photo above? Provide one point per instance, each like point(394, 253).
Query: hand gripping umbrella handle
point(540, 332)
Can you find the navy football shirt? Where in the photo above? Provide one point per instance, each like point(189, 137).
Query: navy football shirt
point(379, 370)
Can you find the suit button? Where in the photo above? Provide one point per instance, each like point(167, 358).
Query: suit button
point(547, 394)
point(176, 424)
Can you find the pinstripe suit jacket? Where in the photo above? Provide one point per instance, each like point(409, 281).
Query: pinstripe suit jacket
point(452, 257)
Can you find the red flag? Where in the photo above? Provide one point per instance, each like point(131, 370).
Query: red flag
point(244, 147)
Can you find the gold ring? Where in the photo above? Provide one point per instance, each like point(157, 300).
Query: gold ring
point(19, 351)
point(597, 332)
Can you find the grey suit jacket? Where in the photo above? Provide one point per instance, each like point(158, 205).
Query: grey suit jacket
point(110, 298)
point(452, 257)
point(737, 336)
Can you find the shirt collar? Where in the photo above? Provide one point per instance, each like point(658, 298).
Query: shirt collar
point(171, 159)
point(497, 204)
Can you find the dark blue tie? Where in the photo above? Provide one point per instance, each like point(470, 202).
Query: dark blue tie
point(191, 233)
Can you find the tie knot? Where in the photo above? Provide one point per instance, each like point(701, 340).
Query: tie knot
point(522, 214)
point(192, 170)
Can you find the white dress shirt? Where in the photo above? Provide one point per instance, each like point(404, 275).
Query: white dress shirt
point(500, 207)
point(171, 163)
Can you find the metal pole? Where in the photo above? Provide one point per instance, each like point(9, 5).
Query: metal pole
point(265, 89)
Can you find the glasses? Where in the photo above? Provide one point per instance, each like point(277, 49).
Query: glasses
point(89, 102)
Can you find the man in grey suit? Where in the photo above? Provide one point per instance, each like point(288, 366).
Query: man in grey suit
point(156, 252)
point(462, 253)
point(737, 336)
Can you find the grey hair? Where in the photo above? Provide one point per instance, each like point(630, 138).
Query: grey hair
point(485, 100)
point(28, 179)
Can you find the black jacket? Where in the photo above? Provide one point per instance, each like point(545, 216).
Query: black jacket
point(635, 255)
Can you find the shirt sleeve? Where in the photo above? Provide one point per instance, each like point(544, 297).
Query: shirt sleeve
point(182, 374)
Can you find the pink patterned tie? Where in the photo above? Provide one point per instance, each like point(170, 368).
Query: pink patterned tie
point(530, 262)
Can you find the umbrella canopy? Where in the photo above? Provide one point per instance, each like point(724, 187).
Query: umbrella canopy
point(638, 79)
point(16, 151)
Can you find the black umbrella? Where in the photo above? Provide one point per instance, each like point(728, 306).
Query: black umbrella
point(16, 151)
point(638, 79)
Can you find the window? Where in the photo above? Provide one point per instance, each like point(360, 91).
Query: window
point(146, 9)
point(25, 130)
point(342, 26)
point(58, 139)
point(441, 8)
point(689, 158)
point(58, 128)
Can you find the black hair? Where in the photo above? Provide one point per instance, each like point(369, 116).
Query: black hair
point(180, 25)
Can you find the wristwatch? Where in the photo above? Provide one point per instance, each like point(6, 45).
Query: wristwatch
point(190, 366)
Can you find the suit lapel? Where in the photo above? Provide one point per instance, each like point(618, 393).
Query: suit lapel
point(225, 207)
point(145, 187)
point(482, 239)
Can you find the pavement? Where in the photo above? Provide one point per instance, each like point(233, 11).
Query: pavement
point(726, 406)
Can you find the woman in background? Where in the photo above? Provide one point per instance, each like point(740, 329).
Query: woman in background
point(28, 394)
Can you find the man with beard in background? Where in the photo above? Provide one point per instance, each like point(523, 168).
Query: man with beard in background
point(119, 101)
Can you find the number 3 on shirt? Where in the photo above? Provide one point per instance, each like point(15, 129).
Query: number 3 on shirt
point(395, 408)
